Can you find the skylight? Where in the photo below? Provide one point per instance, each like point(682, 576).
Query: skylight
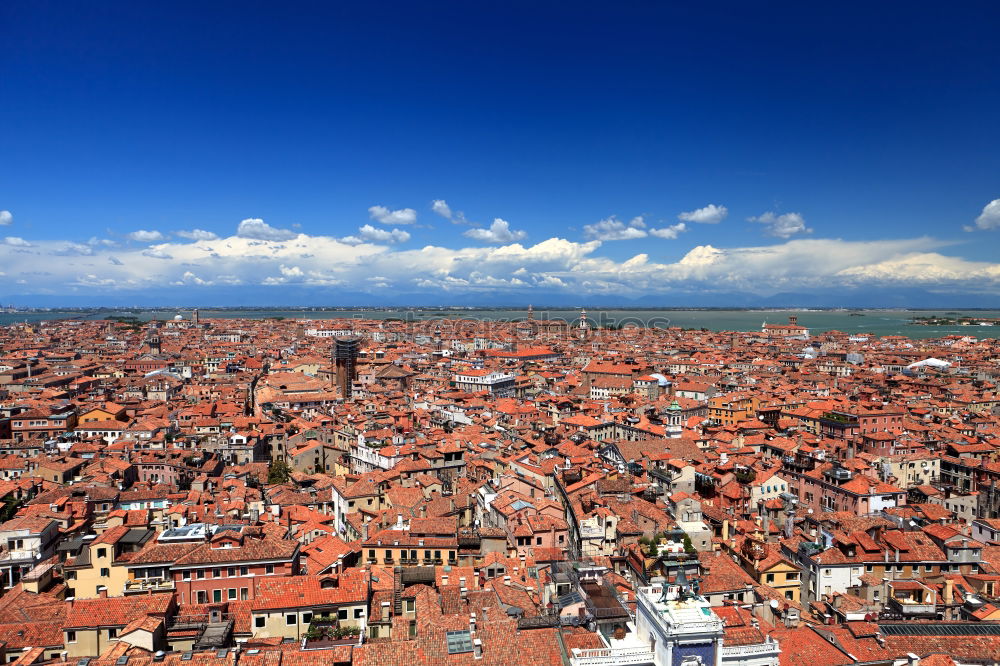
point(459, 642)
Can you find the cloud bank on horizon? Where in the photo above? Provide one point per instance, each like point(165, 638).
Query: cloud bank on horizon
point(377, 260)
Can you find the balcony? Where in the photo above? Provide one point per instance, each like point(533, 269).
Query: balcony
point(144, 585)
point(908, 608)
point(602, 600)
point(911, 598)
point(757, 650)
point(796, 464)
point(325, 634)
point(624, 656)
point(657, 473)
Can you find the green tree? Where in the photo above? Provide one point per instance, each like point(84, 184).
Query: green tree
point(278, 472)
point(688, 546)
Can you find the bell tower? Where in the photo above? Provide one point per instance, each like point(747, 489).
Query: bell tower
point(675, 420)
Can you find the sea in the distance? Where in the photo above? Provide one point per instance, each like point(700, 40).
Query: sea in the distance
point(877, 322)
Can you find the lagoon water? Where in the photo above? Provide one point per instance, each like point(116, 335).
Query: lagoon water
point(877, 322)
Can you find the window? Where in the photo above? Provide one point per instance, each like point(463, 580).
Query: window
point(770, 578)
point(290, 619)
point(105, 572)
point(243, 594)
point(217, 596)
point(244, 571)
point(371, 554)
point(269, 568)
point(71, 637)
point(342, 614)
point(258, 622)
point(102, 552)
point(359, 613)
point(186, 575)
point(113, 632)
point(232, 593)
point(307, 618)
point(201, 573)
point(232, 572)
point(216, 573)
point(458, 642)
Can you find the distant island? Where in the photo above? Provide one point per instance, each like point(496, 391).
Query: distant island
point(954, 321)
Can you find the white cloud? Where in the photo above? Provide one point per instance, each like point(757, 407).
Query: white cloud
point(370, 234)
point(386, 216)
point(198, 234)
point(555, 264)
point(612, 229)
point(258, 229)
point(918, 268)
point(441, 207)
point(498, 233)
point(710, 214)
point(6, 217)
point(190, 278)
point(550, 281)
point(669, 232)
point(782, 226)
point(15, 241)
point(989, 219)
point(144, 236)
point(69, 248)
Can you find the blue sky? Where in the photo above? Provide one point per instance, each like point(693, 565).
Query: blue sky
point(631, 152)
